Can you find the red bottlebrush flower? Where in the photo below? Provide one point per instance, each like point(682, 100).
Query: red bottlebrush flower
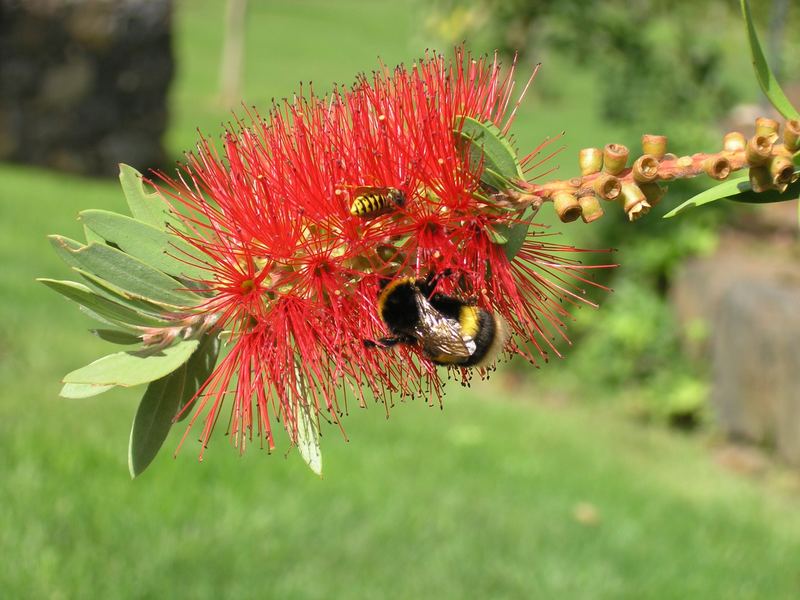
point(293, 276)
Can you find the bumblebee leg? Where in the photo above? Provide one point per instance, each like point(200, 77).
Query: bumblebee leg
point(389, 342)
point(428, 284)
point(386, 342)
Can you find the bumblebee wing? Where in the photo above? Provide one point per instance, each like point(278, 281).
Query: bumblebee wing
point(440, 335)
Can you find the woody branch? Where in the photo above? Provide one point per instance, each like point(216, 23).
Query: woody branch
point(605, 175)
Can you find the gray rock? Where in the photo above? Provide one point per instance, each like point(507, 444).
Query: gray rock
point(84, 83)
point(756, 363)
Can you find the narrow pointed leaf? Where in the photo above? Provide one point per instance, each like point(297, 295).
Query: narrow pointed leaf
point(82, 390)
point(308, 441)
point(198, 370)
point(148, 207)
point(307, 434)
point(515, 237)
point(66, 248)
point(106, 320)
point(142, 305)
point(125, 272)
point(500, 165)
point(737, 190)
point(133, 367)
point(91, 236)
point(153, 420)
point(103, 307)
point(498, 234)
point(792, 192)
point(156, 247)
point(115, 336)
point(766, 79)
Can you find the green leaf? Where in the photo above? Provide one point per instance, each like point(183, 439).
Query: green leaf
point(718, 192)
point(766, 79)
point(91, 236)
point(65, 248)
point(498, 234)
point(156, 247)
point(125, 272)
point(111, 292)
point(115, 336)
point(153, 420)
point(307, 434)
point(500, 166)
point(104, 320)
point(105, 308)
point(791, 192)
point(514, 236)
point(134, 367)
point(147, 207)
point(82, 390)
point(737, 190)
point(198, 370)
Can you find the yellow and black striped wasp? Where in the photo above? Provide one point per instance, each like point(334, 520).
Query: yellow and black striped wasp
point(370, 202)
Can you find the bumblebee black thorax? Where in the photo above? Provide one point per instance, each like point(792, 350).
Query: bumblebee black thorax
point(397, 305)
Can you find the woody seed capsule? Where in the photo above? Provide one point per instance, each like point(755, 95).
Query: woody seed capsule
point(758, 150)
point(760, 179)
point(717, 167)
point(791, 135)
point(634, 201)
point(590, 160)
point(734, 142)
point(615, 157)
point(767, 127)
point(607, 186)
point(645, 169)
point(655, 145)
point(653, 193)
point(567, 206)
point(781, 170)
point(590, 208)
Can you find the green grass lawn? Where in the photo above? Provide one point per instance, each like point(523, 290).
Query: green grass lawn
point(475, 501)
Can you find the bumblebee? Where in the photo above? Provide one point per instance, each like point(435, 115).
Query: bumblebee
point(449, 330)
point(373, 201)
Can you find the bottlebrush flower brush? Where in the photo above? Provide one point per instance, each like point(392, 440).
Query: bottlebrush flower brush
point(256, 247)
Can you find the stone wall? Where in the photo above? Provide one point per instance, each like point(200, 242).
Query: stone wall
point(83, 83)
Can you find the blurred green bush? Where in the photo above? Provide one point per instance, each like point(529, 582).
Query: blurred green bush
point(668, 68)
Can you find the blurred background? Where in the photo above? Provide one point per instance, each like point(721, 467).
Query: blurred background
point(657, 460)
